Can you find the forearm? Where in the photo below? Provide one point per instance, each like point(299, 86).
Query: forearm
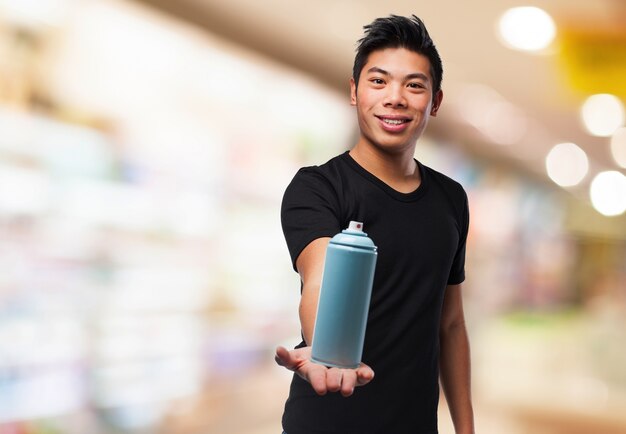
point(307, 312)
point(455, 376)
point(310, 265)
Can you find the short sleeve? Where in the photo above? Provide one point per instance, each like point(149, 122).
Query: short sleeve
point(457, 271)
point(310, 210)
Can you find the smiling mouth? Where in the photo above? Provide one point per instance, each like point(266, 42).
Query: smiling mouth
point(393, 121)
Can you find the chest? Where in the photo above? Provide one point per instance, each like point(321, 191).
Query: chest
point(421, 235)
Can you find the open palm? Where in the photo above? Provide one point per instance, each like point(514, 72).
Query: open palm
point(322, 378)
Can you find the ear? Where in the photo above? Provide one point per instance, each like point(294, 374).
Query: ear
point(352, 91)
point(436, 103)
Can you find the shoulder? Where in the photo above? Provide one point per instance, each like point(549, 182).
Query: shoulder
point(333, 167)
point(450, 191)
point(326, 176)
point(448, 185)
point(311, 206)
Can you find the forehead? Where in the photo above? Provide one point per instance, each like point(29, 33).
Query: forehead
point(398, 61)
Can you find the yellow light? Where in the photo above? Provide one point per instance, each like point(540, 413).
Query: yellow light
point(592, 57)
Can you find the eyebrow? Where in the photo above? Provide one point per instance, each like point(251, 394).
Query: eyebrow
point(411, 76)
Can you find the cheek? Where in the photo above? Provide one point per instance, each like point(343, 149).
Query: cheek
point(423, 105)
point(365, 101)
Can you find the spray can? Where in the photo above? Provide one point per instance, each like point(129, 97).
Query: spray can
point(344, 298)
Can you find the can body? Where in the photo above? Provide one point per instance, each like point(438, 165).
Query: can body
point(344, 302)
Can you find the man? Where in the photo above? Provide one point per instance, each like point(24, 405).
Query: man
point(419, 220)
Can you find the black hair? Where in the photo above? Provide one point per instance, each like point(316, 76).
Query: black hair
point(398, 32)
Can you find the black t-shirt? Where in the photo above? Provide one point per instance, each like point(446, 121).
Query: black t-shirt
point(421, 248)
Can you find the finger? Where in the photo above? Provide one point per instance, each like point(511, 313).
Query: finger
point(283, 358)
point(334, 379)
point(365, 374)
point(317, 377)
point(348, 382)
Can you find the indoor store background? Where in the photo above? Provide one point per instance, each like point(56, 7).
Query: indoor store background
point(144, 149)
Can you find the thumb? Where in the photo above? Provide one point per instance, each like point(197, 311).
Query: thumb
point(282, 357)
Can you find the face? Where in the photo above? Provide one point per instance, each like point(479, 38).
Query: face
point(394, 99)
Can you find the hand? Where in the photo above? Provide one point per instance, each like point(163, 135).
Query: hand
point(322, 378)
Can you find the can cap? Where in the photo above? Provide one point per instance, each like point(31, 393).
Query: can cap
point(355, 226)
point(354, 236)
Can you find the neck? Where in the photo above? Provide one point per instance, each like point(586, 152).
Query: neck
point(398, 170)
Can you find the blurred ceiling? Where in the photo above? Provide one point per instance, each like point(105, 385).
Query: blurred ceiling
point(546, 90)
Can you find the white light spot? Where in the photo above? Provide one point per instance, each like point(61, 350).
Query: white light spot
point(618, 146)
point(567, 164)
point(602, 114)
point(608, 193)
point(526, 28)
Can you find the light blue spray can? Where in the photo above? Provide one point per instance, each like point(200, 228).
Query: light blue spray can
point(344, 298)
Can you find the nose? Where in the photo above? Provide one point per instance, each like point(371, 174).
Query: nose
point(394, 97)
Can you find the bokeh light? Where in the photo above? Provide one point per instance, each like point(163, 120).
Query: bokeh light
point(608, 193)
point(567, 164)
point(618, 146)
point(602, 114)
point(526, 28)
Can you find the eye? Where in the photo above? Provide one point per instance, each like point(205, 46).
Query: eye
point(416, 85)
point(377, 81)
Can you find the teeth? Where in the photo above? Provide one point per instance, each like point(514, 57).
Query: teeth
point(393, 121)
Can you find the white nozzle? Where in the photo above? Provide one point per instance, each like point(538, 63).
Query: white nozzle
point(355, 226)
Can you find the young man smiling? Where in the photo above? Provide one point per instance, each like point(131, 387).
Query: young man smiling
point(416, 335)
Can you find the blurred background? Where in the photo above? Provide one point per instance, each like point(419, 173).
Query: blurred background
point(144, 149)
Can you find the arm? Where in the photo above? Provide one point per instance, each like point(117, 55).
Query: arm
point(310, 264)
point(454, 362)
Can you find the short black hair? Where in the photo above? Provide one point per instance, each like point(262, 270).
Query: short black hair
point(398, 32)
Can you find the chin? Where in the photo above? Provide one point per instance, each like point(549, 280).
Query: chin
point(393, 148)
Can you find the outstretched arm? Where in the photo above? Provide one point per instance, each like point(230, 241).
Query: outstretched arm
point(454, 369)
point(310, 265)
